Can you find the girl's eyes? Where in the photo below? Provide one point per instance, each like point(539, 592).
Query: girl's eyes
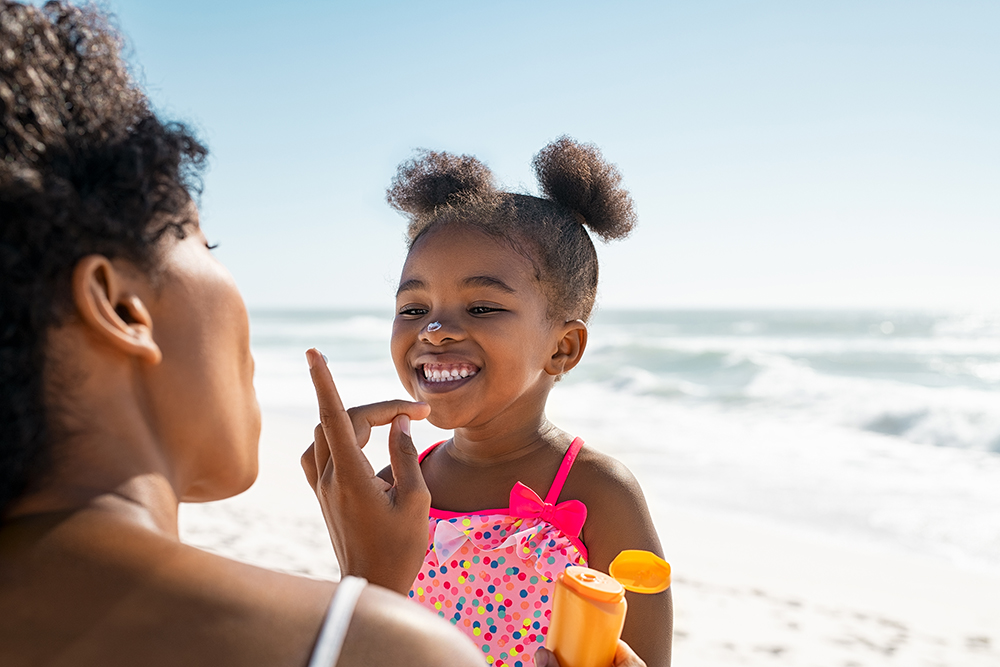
point(483, 310)
point(211, 246)
point(420, 311)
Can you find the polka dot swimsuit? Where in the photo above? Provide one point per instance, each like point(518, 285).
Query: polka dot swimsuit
point(491, 572)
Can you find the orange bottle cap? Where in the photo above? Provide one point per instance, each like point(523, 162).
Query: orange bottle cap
point(641, 571)
point(592, 584)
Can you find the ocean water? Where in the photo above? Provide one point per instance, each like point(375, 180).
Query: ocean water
point(880, 428)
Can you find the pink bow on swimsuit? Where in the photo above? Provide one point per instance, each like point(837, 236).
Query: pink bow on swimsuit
point(569, 516)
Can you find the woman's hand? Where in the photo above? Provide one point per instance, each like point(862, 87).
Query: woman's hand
point(378, 531)
point(624, 657)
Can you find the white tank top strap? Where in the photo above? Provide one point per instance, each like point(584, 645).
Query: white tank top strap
point(338, 618)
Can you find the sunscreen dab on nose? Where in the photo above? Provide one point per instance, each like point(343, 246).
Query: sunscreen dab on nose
point(588, 608)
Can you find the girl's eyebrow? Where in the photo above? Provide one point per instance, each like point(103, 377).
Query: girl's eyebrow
point(488, 281)
point(414, 284)
point(410, 285)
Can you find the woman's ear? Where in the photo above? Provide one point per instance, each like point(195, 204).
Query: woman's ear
point(111, 310)
point(569, 348)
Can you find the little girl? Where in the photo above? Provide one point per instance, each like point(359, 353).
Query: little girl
point(491, 311)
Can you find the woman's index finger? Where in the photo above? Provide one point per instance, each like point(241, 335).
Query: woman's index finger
point(322, 379)
point(336, 422)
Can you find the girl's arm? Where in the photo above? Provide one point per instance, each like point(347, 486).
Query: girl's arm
point(618, 519)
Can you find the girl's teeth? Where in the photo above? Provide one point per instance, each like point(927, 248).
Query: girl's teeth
point(448, 374)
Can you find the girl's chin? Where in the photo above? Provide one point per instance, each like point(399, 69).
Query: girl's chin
point(446, 419)
point(444, 423)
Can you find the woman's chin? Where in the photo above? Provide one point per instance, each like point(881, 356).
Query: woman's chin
point(220, 487)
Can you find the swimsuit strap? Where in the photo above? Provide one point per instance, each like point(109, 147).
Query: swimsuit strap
point(338, 618)
point(423, 454)
point(561, 475)
point(567, 463)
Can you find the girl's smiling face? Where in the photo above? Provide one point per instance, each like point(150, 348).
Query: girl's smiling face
point(489, 357)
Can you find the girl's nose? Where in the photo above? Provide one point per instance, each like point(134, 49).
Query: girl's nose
point(438, 332)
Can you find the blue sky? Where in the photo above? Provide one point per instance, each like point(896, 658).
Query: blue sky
point(781, 154)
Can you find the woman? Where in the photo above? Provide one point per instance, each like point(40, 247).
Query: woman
point(126, 388)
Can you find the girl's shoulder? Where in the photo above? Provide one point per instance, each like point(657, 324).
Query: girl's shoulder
point(617, 515)
point(601, 478)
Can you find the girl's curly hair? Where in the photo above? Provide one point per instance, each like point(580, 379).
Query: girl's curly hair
point(85, 167)
point(581, 191)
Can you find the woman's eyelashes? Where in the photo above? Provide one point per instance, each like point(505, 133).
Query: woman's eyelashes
point(211, 246)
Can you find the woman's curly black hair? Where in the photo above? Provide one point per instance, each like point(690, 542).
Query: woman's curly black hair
point(85, 167)
point(581, 190)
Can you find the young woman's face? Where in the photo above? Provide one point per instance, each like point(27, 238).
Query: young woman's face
point(202, 392)
point(472, 335)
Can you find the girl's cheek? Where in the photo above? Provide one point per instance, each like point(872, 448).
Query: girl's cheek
point(397, 349)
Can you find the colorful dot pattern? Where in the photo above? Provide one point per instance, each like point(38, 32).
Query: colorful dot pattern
point(497, 586)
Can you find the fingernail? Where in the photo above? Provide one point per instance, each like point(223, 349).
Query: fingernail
point(309, 357)
point(541, 658)
point(404, 424)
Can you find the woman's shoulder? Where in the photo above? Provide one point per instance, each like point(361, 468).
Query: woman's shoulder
point(130, 597)
point(418, 637)
point(267, 617)
point(385, 627)
point(279, 618)
point(88, 589)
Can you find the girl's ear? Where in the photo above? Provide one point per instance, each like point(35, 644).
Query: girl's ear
point(111, 310)
point(569, 348)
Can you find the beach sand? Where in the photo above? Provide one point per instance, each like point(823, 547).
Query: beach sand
point(745, 592)
point(749, 594)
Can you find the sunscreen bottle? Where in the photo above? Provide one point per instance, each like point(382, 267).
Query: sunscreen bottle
point(588, 607)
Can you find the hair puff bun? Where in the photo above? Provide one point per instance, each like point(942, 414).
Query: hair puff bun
point(433, 179)
point(577, 176)
point(581, 196)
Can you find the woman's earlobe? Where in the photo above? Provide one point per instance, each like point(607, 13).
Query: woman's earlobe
point(111, 310)
point(569, 349)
